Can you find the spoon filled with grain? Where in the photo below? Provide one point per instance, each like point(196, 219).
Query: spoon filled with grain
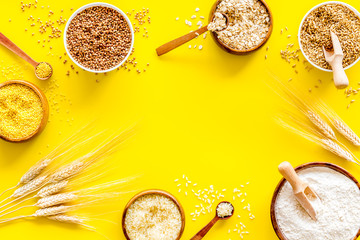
point(219, 22)
point(224, 210)
point(43, 70)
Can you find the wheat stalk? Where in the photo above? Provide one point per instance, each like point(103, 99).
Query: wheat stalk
point(67, 219)
point(312, 135)
point(346, 131)
point(50, 211)
point(30, 187)
point(68, 171)
point(52, 189)
point(321, 124)
point(56, 200)
point(335, 148)
point(34, 171)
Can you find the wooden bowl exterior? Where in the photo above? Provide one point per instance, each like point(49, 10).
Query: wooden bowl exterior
point(241, 52)
point(160, 192)
point(299, 168)
point(45, 106)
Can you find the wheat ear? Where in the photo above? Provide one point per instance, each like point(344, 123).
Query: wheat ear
point(67, 146)
point(42, 193)
point(52, 189)
point(346, 131)
point(313, 136)
point(67, 219)
point(30, 187)
point(27, 189)
point(321, 125)
point(67, 171)
point(337, 150)
point(57, 199)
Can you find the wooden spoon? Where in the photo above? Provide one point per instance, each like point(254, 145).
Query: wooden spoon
point(207, 228)
point(167, 47)
point(302, 191)
point(335, 58)
point(15, 49)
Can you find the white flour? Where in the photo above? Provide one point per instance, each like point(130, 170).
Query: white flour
point(338, 214)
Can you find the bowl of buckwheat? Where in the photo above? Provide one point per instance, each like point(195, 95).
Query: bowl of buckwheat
point(99, 37)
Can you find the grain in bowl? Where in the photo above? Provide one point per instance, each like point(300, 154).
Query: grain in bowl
point(23, 110)
point(314, 33)
point(338, 207)
point(248, 27)
point(99, 37)
point(153, 215)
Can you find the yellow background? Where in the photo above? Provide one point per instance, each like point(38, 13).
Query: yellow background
point(207, 114)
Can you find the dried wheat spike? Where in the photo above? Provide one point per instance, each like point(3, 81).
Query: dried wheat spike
point(52, 189)
point(56, 200)
point(336, 149)
point(67, 219)
point(34, 171)
point(346, 131)
point(321, 125)
point(68, 171)
point(29, 187)
point(51, 211)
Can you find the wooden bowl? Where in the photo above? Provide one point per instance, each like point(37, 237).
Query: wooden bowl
point(160, 192)
point(45, 107)
point(236, 51)
point(299, 168)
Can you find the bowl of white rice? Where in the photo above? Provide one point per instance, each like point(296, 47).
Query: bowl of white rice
point(153, 215)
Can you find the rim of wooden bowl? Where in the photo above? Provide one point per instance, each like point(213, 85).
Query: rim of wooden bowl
point(45, 107)
point(341, 170)
point(236, 51)
point(160, 192)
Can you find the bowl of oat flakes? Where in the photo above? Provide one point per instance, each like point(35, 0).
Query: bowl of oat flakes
point(314, 33)
point(99, 37)
point(249, 25)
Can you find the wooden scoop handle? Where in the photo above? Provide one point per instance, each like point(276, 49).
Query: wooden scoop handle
point(340, 79)
point(291, 176)
point(15, 49)
point(167, 47)
point(205, 229)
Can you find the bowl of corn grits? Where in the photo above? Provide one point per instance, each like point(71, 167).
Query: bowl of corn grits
point(24, 110)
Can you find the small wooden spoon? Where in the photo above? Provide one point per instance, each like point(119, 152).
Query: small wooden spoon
point(335, 58)
point(302, 191)
point(167, 47)
point(15, 49)
point(207, 228)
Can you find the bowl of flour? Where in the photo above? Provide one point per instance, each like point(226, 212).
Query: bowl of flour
point(338, 211)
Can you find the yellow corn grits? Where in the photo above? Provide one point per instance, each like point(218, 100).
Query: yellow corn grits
point(21, 111)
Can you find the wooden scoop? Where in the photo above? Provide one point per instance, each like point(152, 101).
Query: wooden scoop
point(303, 193)
point(15, 49)
point(335, 58)
point(167, 47)
point(207, 228)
